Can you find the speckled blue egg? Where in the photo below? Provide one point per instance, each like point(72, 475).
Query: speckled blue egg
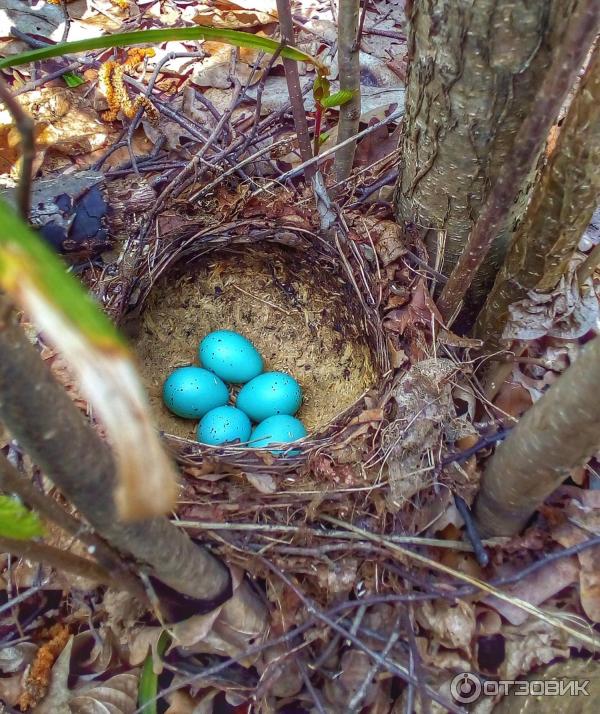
point(230, 356)
point(224, 425)
point(190, 392)
point(268, 394)
point(278, 429)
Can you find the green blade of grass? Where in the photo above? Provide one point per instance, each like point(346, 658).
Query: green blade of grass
point(153, 37)
point(148, 687)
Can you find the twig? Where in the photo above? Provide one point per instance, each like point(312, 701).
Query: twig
point(581, 32)
point(24, 124)
point(321, 157)
point(355, 704)
point(59, 559)
point(349, 76)
point(11, 480)
point(472, 533)
point(390, 666)
point(67, 27)
point(293, 82)
point(309, 685)
point(476, 582)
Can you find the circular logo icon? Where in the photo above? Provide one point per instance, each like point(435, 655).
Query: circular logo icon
point(465, 687)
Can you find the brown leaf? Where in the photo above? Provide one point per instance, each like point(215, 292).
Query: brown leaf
point(118, 695)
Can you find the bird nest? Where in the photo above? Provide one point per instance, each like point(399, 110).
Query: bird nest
point(308, 306)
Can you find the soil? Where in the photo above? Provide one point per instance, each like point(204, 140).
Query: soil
point(303, 320)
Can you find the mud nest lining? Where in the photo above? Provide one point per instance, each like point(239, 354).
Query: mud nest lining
point(302, 316)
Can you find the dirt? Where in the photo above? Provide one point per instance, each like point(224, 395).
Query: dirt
point(303, 320)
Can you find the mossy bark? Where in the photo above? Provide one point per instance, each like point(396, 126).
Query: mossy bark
point(473, 73)
point(560, 210)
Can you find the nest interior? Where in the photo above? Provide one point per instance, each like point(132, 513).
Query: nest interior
point(300, 313)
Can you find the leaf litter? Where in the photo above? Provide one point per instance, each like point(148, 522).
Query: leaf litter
point(380, 472)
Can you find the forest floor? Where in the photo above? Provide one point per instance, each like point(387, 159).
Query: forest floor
point(381, 599)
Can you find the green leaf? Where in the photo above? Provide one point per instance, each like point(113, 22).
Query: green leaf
point(16, 521)
point(337, 99)
point(148, 689)
point(153, 37)
point(72, 79)
point(35, 278)
point(25, 257)
point(320, 88)
point(323, 137)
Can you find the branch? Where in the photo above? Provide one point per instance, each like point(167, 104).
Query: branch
point(349, 72)
point(581, 32)
point(59, 559)
point(11, 480)
point(561, 207)
point(47, 424)
point(24, 124)
point(286, 26)
point(558, 433)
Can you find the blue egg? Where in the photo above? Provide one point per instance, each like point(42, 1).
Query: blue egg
point(268, 394)
point(278, 429)
point(230, 356)
point(190, 392)
point(223, 425)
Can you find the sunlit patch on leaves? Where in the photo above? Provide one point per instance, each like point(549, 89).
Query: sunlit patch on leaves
point(35, 278)
point(18, 522)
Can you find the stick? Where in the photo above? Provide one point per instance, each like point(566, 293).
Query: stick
point(295, 91)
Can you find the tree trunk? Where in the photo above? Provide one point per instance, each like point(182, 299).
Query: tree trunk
point(557, 434)
point(473, 74)
point(561, 208)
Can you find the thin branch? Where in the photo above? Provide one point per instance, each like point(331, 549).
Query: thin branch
point(321, 157)
point(349, 74)
point(11, 480)
point(59, 559)
point(295, 91)
point(24, 124)
point(582, 30)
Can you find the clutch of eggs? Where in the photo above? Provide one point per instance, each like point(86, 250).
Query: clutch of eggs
point(270, 398)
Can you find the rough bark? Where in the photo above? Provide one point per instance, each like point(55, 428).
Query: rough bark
point(473, 73)
point(46, 423)
point(530, 139)
point(349, 73)
point(557, 434)
point(561, 208)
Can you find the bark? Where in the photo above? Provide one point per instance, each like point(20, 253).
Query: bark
point(14, 482)
point(292, 77)
point(560, 432)
point(529, 142)
point(561, 208)
point(60, 560)
point(349, 73)
point(46, 424)
point(474, 71)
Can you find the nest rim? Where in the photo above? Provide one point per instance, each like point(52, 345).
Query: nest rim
point(167, 255)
